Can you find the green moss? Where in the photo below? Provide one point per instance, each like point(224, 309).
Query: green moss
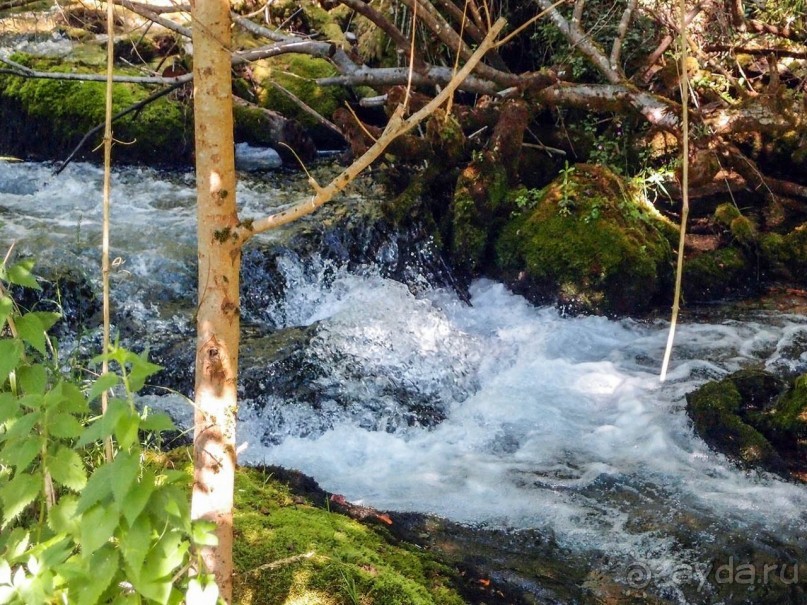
point(717, 274)
point(714, 409)
point(57, 114)
point(287, 550)
point(744, 230)
point(590, 242)
point(297, 74)
point(725, 213)
point(349, 559)
point(786, 255)
point(479, 208)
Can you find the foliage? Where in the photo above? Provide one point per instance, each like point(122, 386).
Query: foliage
point(76, 528)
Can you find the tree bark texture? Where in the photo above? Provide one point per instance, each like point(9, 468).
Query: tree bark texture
point(219, 265)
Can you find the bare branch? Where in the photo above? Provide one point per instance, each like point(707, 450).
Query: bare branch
point(383, 23)
point(395, 127)
point(259, 30)
point(307, 109)
point(582, 42)
point(391, 76)
point(622, 30)
point(26, 72)
point(147, 11)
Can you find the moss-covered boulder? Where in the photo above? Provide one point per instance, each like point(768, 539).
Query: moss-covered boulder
point(785, 256)
point(720, 274)
point(288, 550)
point(589, 242)
point(297, 74)
point(755, 418)
point(45, 118)
point(479, 208)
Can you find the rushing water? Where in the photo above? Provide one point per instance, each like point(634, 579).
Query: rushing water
point(537, 420)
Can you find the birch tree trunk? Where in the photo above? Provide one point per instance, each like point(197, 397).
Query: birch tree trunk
point(219, 265)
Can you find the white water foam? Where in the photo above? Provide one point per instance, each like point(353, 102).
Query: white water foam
point(568, 417)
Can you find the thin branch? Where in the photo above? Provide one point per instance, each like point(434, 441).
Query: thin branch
point(525, 25)
point(18, 69)
point(107, 194)
point(395, 127)
point(147, 11)
point(306, 108)
point(622, 30)
point(757, 52)
point(578, 39)
point(259, 30)
point(383, 23)
point(280, 563)
point(679, 269)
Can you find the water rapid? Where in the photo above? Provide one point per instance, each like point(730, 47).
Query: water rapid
point(493, 413)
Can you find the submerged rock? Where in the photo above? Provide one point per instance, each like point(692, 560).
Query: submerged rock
point(755, 418)
point(589, 242)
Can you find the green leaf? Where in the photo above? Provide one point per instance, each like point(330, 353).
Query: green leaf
point(6, 309)
point(62, 517)
point(33, 379)
point(22, 426)
point(104, 426)
point(19, 453)
point(8, 407)
point(5, 572)
point(126, 467)
point(63, 425)
point(10, 355)
point(57, 552)
point(135, 543)
point(73, 400)
point(137, 498)
point(20, 274)
point(126, 429)
point(67, 469)
point(158, 422)
point(97, 526)
point(48, 319)
point(155, 577)
point(98, 487)
point(104, 566)
point(31, 330)
point(18, 493)
point(140, 372)
point(203, 533)
point(16, 544)
point(103, 383)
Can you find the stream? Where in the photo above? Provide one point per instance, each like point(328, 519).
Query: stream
point(396, 393)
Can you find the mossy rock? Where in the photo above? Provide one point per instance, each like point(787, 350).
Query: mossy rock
point(349, 560)
point(715, 411)
point(47, 118)
point(287, 550)
point(479, 208)
point(755, 418)
point(590, 243)
point(785, 256)
point(298, 74)
point(719, 274)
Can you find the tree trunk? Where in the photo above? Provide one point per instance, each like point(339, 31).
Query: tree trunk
point(219, 264)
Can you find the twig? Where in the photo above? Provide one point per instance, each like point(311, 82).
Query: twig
point(622, 30)
point(108, 117)
point(679, 268)
point(280, 563)
point(306, 108)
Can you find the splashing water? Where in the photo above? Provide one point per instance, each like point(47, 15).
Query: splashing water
point(497, 413)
